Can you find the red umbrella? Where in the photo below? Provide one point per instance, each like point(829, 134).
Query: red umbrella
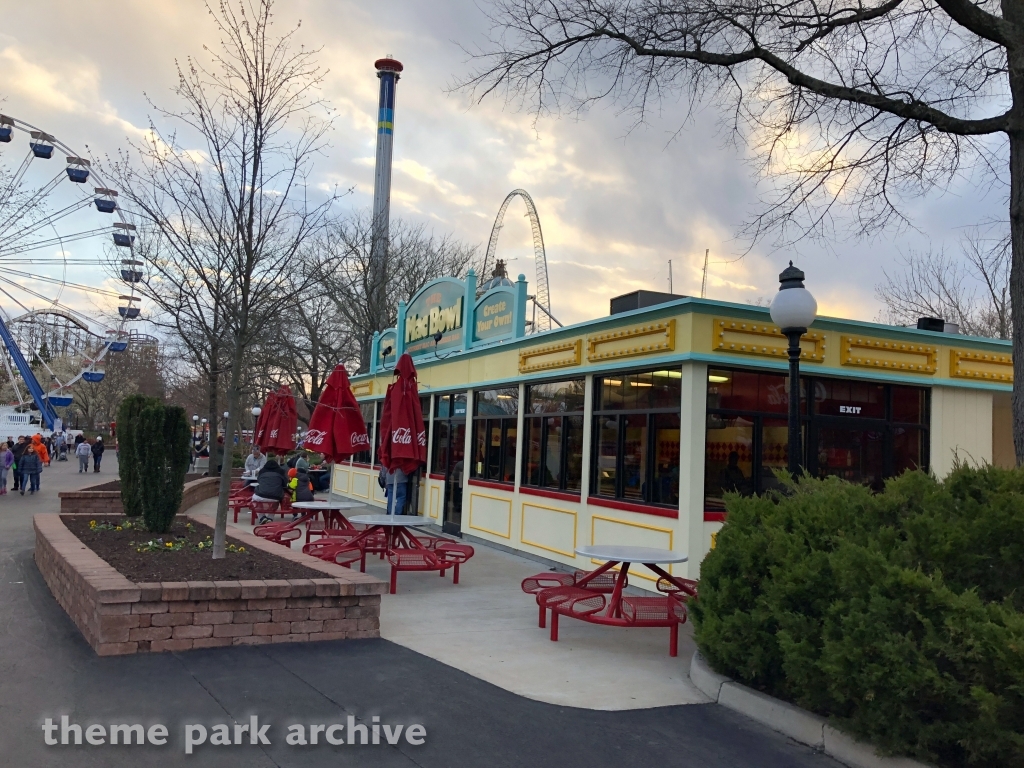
point(260, 432)
point(283, 423)
point(336, 428)
point(403, 438)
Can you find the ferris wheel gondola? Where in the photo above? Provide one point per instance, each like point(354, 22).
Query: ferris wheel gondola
point(45, 335)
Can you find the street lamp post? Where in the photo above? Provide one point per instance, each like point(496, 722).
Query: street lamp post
point(206, 433)
point(256, 411)
point(195, 425)
point(793, 309)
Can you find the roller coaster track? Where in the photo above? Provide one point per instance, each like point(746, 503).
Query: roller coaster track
point(542, 294)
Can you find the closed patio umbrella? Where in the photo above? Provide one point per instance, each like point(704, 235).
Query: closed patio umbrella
point(336, 428)
point(282, 425)
point(260, 432)
point(403, 438)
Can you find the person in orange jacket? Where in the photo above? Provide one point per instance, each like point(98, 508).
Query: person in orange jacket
point(44, 455)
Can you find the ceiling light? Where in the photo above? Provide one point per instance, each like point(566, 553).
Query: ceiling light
point(715, 378)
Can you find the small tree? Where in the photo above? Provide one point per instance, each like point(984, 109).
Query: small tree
point(128, 456)
point(162, 448)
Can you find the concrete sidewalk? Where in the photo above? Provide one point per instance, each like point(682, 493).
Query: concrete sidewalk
point(486, 626)
point(47, 670)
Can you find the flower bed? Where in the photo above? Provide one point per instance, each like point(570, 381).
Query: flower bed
point(120, 616)
point(182, 554)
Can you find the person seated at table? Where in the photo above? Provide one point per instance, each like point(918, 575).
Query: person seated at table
point(300, 486)
point(322, 482)
point(254, 461)
point(270, 482)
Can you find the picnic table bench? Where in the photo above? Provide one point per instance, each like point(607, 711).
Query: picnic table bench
point(597, 597)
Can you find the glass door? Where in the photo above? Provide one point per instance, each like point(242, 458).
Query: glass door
point(449, 456)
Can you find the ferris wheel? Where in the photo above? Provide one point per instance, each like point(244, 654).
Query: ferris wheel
point(54, 223)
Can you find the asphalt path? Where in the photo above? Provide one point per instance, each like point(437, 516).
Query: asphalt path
point(48, 671)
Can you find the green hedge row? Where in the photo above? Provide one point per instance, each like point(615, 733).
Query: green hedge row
point(898, 615)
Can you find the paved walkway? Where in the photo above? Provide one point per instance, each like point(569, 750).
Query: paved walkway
point(47, 670)
point(487, 626)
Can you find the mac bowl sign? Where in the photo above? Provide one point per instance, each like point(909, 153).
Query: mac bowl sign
point(438, 308)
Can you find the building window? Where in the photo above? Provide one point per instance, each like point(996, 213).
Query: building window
point(553, 435)
point(374, 439)
point(495, 416)
point(449, 435)
point(368, 411)
point(636, 437)
point(861, 431)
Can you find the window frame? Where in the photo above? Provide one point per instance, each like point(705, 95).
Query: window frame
point(620, 415)
point(487, 422)
point(812, 422)
point(530, 419)
point(371, 430)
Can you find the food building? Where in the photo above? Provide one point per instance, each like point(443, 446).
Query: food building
point(629, 428)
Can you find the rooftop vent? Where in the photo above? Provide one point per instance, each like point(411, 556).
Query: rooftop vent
point(937, 324)
point(640, 299)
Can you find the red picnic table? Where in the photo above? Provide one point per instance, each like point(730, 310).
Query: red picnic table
point(589, 596)
point(286, 531)
point(333, 520)
point(390, 535)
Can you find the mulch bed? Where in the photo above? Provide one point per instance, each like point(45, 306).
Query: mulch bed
point(186, 564)
point(115, 485)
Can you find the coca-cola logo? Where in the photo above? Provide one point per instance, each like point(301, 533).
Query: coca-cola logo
point(360, 439)
point(315, 436)
point(421, 438)
point(273, 433)
point(402, 436)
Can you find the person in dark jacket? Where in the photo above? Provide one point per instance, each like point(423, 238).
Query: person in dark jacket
point(31, 467)
point(18, 450)
point(97, 454)
point(270, 482)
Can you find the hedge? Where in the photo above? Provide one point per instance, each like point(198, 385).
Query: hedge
point(898, 615)
point(128, 415)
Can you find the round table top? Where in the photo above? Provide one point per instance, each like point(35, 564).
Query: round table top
point(400, 520)
point(324, 505)
point(627, 554)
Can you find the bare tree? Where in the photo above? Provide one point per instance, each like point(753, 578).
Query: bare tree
point(313, 338)
point(413, 258)
point(854, 105)
point(189, 295)
point(972, 291)
point(236, 211)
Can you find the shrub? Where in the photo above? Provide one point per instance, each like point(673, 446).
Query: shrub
point(897, 614)
point(162, 446)
point(128, 461)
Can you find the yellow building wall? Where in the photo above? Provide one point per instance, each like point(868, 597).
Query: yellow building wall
point(961, 428)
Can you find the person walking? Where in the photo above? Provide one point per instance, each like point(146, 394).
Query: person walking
point(6, 461)
point(40, 448)
point(97, 453)
point(31, 468)
point(19, 451)
point(83, 451)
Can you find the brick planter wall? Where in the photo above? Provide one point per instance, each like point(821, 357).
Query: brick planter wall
point(117, 616)
point(109, 502)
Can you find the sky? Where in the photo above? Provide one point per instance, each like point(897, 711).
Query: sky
point(616, 201)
